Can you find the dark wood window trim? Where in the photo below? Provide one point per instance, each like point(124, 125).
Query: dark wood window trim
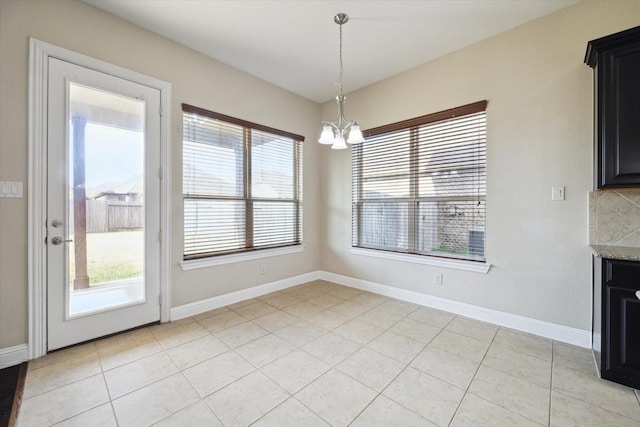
point(381, 168)
point(249, 199)
point(464, 110)
point(186, 108)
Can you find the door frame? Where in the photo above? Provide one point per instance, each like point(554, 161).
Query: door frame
point(39, 53)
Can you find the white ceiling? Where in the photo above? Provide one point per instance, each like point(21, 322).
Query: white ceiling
point(294, 44)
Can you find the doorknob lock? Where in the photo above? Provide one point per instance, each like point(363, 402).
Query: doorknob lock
point(59, 240)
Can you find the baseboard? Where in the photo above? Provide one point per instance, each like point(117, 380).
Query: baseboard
point(554, 331)
point(198, 307)
point(15, 355)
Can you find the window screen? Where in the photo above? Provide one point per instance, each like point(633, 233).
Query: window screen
point(242, 185)
point(419, 186)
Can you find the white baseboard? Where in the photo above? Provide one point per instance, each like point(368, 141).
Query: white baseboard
point(541, 328)
point(11, 356)
point(554, 331)
point(198, 307)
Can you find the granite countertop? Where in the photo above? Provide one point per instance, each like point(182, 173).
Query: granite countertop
point(617, 252)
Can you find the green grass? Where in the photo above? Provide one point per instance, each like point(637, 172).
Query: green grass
point(122, 269)
point(450, 250)
point(111, 256)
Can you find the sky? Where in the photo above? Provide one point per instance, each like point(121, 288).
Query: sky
point(112, 155)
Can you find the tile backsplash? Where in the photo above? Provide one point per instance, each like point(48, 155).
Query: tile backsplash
point(614, 217)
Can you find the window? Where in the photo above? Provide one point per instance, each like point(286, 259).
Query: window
point(419, 186)
point(242, 185)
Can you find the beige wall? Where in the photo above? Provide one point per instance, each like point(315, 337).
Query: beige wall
point(539, 135)
point(196, 79)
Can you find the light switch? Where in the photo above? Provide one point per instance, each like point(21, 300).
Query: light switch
point(11, 189)
point(557, 193)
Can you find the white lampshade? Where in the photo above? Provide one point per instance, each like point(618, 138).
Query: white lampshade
point(339, 143)
point(355, 136)
point(326, 137)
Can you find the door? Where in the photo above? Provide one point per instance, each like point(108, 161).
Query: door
point(621, 321)
point(103, 204)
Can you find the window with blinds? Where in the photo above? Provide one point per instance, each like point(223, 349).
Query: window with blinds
point(419, 185)
point(242, 185)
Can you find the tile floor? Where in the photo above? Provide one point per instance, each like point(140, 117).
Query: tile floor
point(321, 354)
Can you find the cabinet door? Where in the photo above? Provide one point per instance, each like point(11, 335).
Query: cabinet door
point(623, 363)
point(621, 353)
point(619, 109)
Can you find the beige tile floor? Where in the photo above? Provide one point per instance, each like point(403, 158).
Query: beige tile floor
point(322, 354)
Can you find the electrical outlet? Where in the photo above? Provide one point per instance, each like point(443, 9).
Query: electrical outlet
point(263, 268)
point(437, 279)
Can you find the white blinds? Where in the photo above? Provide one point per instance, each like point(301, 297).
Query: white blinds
point(421, 188)
point(242, 185)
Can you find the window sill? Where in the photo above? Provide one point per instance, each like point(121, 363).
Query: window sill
point(241, 257)
point(478, 267)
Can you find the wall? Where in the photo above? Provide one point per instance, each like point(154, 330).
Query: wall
point(539, 135)
point(196, 79)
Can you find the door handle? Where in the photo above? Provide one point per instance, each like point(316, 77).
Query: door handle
point(59, 240)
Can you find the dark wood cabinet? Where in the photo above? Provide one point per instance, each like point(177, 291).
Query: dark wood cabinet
point(619, 321)
point(616, 61)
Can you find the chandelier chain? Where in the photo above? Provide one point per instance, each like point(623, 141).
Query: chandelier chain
point(341, 64)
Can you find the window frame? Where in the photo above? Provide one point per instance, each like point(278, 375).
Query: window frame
point(413, 200)
point(248, 251)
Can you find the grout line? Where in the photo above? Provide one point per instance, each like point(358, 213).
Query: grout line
point(393, 379)
point(64, 385)
point(113, 412)
point(85, 411)
point(622, 194)
point(407, 365)
point(526, 334)
point(306, 406)
point(212, 411)
point(624, 237)
point(256, 369)
point(597, 406)
point(504, 373)
point(466, 391)
point(362, 346)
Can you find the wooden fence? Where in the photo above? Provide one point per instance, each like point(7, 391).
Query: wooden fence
point(108, 215)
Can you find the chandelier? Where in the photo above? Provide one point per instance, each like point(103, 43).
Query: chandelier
point(333, 133)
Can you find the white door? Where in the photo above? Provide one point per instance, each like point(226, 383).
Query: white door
point(103, 204)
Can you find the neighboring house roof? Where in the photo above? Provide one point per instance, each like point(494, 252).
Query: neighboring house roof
point(134, 185)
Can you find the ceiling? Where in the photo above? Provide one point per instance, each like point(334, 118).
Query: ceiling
point(294, 44)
